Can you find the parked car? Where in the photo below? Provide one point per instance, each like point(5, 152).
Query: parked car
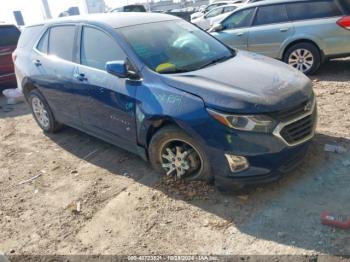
point(9, 35)
point(217, 14)
point(130, 8)
point(161, 87)
point(211, 7)
point(302, 33)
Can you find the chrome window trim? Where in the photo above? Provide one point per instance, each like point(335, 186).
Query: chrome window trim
point(281, 125)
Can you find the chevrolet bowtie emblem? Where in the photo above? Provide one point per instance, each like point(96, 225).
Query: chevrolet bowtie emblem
point(308, 107)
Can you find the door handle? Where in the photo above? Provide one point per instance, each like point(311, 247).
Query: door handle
point(284, 29)
point(240, 34)
point(37, 62)
point(80, 77)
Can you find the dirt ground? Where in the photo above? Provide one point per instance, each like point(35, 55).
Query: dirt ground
point(127, 209)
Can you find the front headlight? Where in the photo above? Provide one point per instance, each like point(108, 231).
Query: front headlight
point(255, 123)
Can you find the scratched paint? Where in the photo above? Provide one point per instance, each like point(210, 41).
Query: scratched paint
point(170, 99)
point(129, 106)
point(139, 114)
point(229, 139)
point(122, 121)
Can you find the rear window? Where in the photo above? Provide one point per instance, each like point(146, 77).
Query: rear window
point(44, 43)
point(134, 8)
point(345, 5)
point(271, 14)
point(9, 35)
point(28, 35)
point(61, 41)
point(312, 10)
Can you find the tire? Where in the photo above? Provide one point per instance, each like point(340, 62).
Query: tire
point(173, 137)
point(300, 56)
point(47, 121)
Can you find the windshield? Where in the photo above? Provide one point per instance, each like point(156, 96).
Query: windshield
point(174, 46)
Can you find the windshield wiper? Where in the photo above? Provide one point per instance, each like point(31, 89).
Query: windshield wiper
point(173, 71)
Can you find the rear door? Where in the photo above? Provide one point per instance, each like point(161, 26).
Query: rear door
point(107, 102)
point(54, 69)
point(8, 41)
point(271, 28)
point(236, 28)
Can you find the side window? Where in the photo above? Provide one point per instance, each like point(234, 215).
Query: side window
point(211, 7)
point(214, 12)
point(97, 48)
point(229, 9)
point(44, 43)
point(346, 5)
point(239, 19)
point(61, 41)
point(312, 10)
point(271, 14)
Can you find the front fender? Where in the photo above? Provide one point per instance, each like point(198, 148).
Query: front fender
point(159, 103)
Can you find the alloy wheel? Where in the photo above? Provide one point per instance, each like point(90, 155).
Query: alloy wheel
point(40, 112)
point(301, 59)
point(180, 158)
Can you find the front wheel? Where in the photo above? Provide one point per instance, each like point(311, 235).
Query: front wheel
point(174, 153)
point(304, 57)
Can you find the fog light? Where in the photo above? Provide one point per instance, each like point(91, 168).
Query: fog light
point(237, 163)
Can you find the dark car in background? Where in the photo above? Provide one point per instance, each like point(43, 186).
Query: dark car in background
point(130, 8)
point(9, 35)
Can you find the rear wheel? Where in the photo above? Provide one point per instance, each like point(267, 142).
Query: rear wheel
point(42, 112)
point(174, 153)
point(304, 57)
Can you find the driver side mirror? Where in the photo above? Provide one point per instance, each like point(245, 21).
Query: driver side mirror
point(216, 28)
point(117, 68)
point(120, 69)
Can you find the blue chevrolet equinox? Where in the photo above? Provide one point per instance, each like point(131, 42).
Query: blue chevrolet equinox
point(162, 88)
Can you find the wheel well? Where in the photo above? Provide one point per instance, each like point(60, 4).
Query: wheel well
point(303, 41)
point(157, 125)
point(27, 88)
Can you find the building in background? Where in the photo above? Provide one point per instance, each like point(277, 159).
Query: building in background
point(19, 18)
point(95, 6)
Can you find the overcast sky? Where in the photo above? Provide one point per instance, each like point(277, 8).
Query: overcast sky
point(31, 9)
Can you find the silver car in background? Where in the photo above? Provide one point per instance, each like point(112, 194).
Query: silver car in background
point(302, 33)
point(210, 7)
point(213, 16)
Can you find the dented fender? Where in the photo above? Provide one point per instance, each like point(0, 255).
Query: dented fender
point(158, 103)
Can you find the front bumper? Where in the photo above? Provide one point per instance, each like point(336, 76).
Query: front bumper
point(270, 156)
point(263, 169)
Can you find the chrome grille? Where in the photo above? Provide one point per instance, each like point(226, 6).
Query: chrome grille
point(298, 126)
point(298, 130)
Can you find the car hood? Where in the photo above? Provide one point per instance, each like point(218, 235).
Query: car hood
point(247, 83)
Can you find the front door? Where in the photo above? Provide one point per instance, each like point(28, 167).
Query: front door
point(106, 102)
point(235, 29)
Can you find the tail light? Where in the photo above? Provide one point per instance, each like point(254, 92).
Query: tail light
point(344, 22)
point(14, 56)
